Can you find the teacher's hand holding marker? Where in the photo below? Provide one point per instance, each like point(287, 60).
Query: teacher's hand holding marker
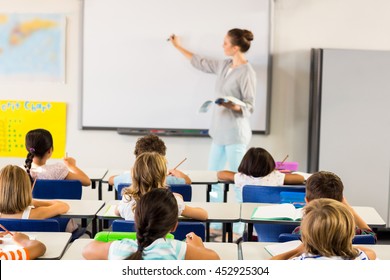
point(230, 126)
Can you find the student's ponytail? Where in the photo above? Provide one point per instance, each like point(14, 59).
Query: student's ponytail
point(28, 162)
point(155, 216)
point(38, 142)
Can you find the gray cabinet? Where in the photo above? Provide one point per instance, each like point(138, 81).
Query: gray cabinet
point(350, 123)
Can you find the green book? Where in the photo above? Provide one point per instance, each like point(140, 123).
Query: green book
point(285, 211)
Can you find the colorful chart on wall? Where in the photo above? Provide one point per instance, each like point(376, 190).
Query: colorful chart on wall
point(32, 47)
point(19, 117)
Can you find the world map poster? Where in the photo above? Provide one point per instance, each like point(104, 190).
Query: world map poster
point(32, 47)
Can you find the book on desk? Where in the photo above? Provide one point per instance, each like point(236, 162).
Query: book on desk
point(284, 211)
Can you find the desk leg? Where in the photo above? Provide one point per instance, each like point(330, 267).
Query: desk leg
point(223, 232)
point(100, 225)
point(100, 191)
point(250, 231)
point(229, 229)
point(209, 188)
point(225, 192)
point(94, 227)
point(207, 232)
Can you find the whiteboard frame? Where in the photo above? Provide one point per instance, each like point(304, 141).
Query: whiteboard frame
point(169, 131)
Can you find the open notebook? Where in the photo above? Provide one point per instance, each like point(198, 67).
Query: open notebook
point(279, 248)
point(8, 244)
point(285, 211)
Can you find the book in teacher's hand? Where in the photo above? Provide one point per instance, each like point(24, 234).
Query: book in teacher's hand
point(284, 211)
point(225, 99)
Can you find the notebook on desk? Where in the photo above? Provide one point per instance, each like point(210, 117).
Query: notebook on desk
point(279, 248)
point(110, 212)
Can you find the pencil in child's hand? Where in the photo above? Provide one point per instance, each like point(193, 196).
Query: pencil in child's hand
point(33, 185)
point(281, 163)
point(180, 163)
point(6, 230)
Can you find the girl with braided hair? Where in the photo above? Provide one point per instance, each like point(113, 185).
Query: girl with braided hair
point(39, 145)
point(156, 215)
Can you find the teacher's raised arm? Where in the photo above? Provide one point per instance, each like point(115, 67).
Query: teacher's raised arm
point(177, 44)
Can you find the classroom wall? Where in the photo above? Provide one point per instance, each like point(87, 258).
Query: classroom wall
point(298, 25)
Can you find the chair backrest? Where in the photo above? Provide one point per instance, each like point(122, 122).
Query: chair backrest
point(358, 239)
point(183, 189)
point(119, 190)
point(183, 228)
point(57, 189)
point(48, 225)
point(271, 194)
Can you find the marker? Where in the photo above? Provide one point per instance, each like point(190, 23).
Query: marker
point(173, 36)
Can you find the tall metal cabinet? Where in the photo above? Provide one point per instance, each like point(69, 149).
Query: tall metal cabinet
point(349, 126)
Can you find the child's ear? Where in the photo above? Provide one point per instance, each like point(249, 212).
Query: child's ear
point(307, 201)
point(175, 227)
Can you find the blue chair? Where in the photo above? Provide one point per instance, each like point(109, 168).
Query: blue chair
point(271, 194)
point(47, 225)
point(119, 190)
point(180, 234)
point(183, 189)
point(60, 189)
point(358, 239)
point(57, 189)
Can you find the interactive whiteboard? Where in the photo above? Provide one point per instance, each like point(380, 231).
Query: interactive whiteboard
point(135, 80)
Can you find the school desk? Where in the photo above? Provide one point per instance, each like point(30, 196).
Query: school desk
point(96, 175)
point(55, 242)
point(368, 214)
point(198, 177)
point(226, 213)
point(84, 210)
point(226, 251)
point(256, 251)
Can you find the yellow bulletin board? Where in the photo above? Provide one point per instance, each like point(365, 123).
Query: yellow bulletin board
point(19, 117)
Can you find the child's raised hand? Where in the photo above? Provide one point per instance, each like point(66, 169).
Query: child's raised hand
point(192, 238)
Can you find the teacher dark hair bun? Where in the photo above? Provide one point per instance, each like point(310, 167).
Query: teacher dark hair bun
point(241, 38)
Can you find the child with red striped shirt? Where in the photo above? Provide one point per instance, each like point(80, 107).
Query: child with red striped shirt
point(31, 249)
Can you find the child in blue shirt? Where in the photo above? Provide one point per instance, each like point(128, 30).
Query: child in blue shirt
point(150, 143)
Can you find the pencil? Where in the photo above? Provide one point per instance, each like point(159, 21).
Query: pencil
point(180, 163)
point(33, 185)
point(6, 230)
point(280, 164)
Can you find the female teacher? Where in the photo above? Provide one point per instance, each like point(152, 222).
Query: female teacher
point(230, 127)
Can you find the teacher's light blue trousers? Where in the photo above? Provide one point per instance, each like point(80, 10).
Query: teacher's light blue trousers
point(219, 155)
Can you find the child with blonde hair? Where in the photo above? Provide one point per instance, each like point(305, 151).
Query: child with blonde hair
point(327, 230)
point(16, 200)
point(149, 172)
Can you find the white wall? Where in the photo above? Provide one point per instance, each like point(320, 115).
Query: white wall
point(298, 25)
